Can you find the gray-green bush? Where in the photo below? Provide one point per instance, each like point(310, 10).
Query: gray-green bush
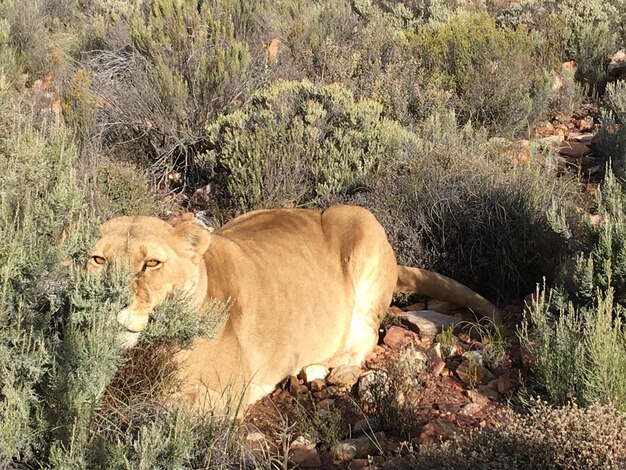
point(297, 143)
point(490, 68)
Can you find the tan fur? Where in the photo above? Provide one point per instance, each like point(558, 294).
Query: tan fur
point(308, 287)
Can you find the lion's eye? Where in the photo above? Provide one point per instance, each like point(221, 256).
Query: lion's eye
point(152, 263)
point(98, 259)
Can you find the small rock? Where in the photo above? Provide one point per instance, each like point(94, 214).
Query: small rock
point(585, 138)
point(584, 125)
point(358, 448)
point(317, 385)
point(458, 349)
point(472, 373)
point(415, 307)
point(477, 398)
point(397, 337)
point(427, 322)
point(313, 372)
point(436, 365)
point(329, 392)
point(344, 375)
point(435, 351)
point(551, 140)
point(470, 409)
point(489, 392)
point(305, 456)
point(474, 356)
point(294, 385)
point(501, 384)
point(326, 404)
point(437, 431)
point(616, 69)
point(360, 464)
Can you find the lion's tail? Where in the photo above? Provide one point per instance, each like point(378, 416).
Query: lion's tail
point(430, 284)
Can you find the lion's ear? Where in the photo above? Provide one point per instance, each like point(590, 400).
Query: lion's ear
point(196, 238)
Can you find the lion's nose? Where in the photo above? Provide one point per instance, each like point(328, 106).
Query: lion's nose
point(132, 321)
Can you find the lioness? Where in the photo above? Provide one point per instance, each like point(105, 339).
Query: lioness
point(306, 286)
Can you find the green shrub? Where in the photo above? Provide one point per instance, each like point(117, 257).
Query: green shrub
point(602, 264)
point(297, 143)
point(578, 353)
point(585, 31)
point(123, 189)
point(546, 438)
point(29, 34)
point(612, 134)
point(595, 26)
point(55, 321)
point(364, 47)
point(491, 69)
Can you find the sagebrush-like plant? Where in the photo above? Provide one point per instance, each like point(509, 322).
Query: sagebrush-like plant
point(578, 353)
point(299, 143)
point(491, 69)
point(184, 66)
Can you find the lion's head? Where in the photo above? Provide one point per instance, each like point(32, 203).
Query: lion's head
point(159, 258)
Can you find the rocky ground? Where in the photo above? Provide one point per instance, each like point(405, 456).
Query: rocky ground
point(452, 391)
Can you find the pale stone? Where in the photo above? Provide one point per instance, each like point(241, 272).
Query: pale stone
point(427, 322)
point(313, 372)
point(470, 409)
point(344, 375)
point(477, 398)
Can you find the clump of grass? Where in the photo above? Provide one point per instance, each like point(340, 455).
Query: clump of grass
point(495, 343)
point(393, 397)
